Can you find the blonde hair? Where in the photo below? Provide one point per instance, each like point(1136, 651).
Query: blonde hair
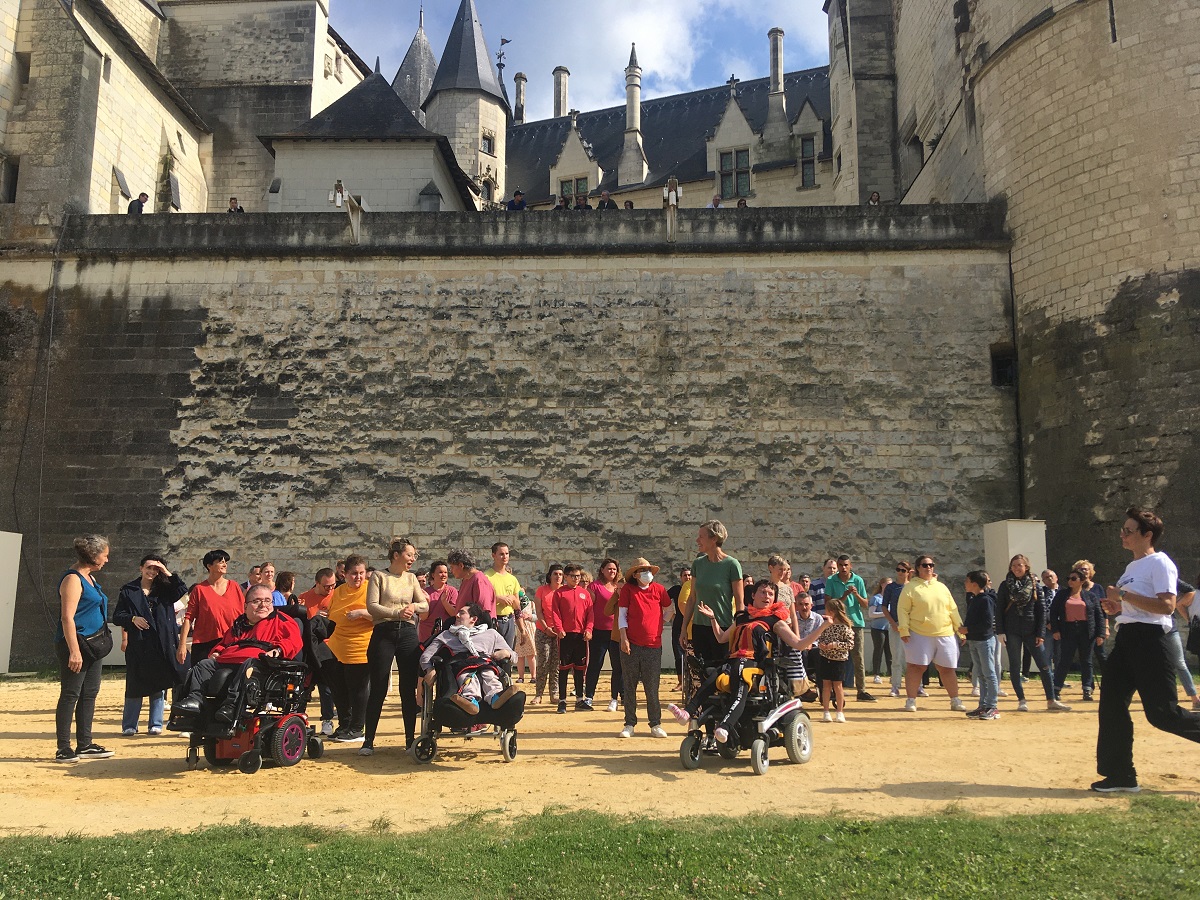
point(837, 611)
point(1085, 565)
point(718, 532)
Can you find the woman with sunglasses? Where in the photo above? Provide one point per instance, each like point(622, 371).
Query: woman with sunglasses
point(1077, 622)
point(929, 623)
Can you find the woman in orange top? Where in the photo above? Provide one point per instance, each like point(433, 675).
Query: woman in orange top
point(348, 673)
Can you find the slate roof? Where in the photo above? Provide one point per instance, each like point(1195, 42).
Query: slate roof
point(674, 131)
point(466, 62)
point(373, 111)
point(414, 78)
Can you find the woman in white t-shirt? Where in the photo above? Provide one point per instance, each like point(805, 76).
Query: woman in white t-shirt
point(1143, 601)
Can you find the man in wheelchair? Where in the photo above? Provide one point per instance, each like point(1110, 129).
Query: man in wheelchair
point(471, 646)
point(750, 639)
point(262, 631)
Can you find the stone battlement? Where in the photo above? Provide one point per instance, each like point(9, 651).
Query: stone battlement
point(793, 229)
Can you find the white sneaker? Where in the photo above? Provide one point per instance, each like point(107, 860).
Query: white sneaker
point(1001, 692)
point(1022, 706)
point(827, 717)
point(612, 705)
point(1057, 706)
point(894, 692)
point(956, 705)
point(658, 731)
point(878, 680)
point(626, 732)
point(327, 727)
point(974, 692)
point(840, 717)
point(910, 705)
point(921, 692)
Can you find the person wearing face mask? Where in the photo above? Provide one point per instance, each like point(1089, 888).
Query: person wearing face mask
point(640, 617)
point(146, 610)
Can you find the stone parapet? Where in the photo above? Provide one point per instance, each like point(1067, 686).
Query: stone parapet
point(793, 229)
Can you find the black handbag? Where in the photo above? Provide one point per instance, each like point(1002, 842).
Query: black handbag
point(94, 647)
point(1193, 641)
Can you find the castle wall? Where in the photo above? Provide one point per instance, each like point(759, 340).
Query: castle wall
point(142, 23)
point(10, 87)
point(1095, 146)
point(574, 385)
point(953, 173)
point(388, 176)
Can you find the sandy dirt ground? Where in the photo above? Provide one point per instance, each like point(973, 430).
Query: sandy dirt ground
point(883, 761)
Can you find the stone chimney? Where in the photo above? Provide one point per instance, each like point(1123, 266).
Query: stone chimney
point(632, 167)
point(561, 74)
point(777, 131)
point(519, 109)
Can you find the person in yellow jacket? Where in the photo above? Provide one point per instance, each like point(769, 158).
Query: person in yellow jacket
point(929, 622)
point(349, 674)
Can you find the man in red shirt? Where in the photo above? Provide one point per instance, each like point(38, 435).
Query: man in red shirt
point(640, 617)
point(260, 631)
point(569, 615)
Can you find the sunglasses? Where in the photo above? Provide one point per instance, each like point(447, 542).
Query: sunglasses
point(924, 565)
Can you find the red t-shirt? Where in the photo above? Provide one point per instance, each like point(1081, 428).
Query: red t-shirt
point(644, 619)
point(212, 614)
point(315, 603)
point(571, 610)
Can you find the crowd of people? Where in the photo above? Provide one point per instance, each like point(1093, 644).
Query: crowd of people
point(362, 622)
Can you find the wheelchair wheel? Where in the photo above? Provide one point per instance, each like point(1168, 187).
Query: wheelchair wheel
point(508, 745)
point(758, 756)
point(250, 762)
point(424, 749)
point(316, 747)
point(689, 750)
point(193, 757)
point(210, 755)
point(731, 748)
point(287, 741)
point(797, 738)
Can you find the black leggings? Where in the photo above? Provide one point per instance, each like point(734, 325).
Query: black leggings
point(350, 683)
point(598, 648)
point(393, 641)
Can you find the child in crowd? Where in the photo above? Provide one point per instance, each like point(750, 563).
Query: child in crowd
point(835, 646)
point(470, 636)
point(569, 616)
point(749, 644)
point(525, 647)
point(979, 627)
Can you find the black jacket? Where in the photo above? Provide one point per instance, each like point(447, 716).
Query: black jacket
point(1058, 612)
point(150, 664)
point(980, 618)
point(1023, 621)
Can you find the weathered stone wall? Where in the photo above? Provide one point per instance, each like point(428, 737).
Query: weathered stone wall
point(818, 379)
point(1095, 145)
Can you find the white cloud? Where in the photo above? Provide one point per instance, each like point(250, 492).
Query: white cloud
point(681, 44)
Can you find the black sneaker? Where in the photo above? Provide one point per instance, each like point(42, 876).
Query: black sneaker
point(94, 751)
point(562, 706)
point(67, 755)
point(350, 736)
point(1112, 785)
point(1087, 695)
point(865, 697)
point(976, 713)
point(584, 704)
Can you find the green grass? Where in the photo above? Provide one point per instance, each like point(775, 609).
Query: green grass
point(1148, 851)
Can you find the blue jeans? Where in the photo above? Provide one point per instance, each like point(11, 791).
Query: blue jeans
point(1077, 640)
point(133, 711)
point(1179, 659)
point(983, 660)
point(1014, 643)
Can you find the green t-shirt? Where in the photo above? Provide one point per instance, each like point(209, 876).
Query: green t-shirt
point(714, 587)
point(838, 589)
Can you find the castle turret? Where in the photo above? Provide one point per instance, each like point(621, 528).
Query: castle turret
point(467, 104)
point(415, 76)
point(632, 168)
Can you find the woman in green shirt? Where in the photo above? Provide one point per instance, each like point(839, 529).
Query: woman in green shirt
point(717, 583)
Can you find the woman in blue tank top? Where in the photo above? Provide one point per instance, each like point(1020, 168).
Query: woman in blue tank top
point(84, 612)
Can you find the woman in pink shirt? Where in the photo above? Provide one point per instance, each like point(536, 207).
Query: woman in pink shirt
point(606, 584)
point(443, 604)
point(545, 640)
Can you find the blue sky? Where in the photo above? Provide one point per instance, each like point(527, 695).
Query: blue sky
point(681, 44)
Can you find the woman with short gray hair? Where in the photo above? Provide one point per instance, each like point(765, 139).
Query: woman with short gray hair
point(81, 641)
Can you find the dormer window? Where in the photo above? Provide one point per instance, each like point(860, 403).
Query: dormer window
point(735, 173)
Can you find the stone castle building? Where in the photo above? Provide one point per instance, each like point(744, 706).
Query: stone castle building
point(1011, 334)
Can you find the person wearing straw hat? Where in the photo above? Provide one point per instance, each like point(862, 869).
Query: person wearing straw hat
point(640, 617)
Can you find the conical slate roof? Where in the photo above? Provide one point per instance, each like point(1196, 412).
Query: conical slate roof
point(414, 78)
point(466, 62)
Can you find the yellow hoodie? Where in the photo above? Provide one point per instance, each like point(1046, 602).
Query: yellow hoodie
point(928, 609)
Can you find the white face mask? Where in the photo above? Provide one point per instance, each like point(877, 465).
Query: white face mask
point(645, 576)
